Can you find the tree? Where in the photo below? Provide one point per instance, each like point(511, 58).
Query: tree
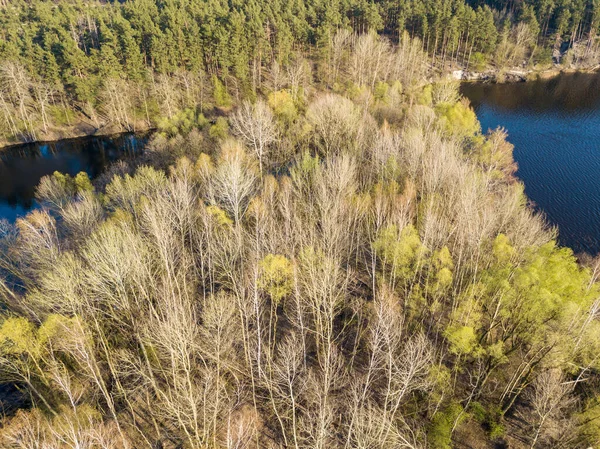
point(117, 103)
point(15, 90)
point(234, 180)
point(337, 122)
point(549, 398)
point(256, 126)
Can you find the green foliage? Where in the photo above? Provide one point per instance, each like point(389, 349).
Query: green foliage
point(551, 279)
point(276, 276)
point(182, 123)
point(497, 430)
point(20, 338)
point(57, 330)
point(157, 288)
point(542, 56)
point(439, 434)
point(442, 265)
point(589, 421)
point(134, 43)
point(17, 336)
point(424, 97)
point(440, 378)
point(462, 339)
point(220, 94)
point(478, 412)
point(402, 251)
point(381, 92)
point(502, 249)
point(478, 61)
point(58, 189)
point(82, 182)
point(60, 115)
point(490, 419)
point(283, 106)
point(219, 216)
point(220, 129)
point(459, 119)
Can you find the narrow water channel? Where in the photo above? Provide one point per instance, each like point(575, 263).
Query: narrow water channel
point(555, 128)
point(22, 166)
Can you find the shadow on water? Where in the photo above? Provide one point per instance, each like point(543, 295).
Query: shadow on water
point(555, 127)
point(567, 93)
point(22, 166)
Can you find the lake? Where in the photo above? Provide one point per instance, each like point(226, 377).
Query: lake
point(555, 127)
point(22, 166)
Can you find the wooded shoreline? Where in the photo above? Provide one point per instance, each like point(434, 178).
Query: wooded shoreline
point(83, 129)
point(74, 133)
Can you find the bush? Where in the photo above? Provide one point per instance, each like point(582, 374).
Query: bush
point(222, 97)
point(489, 419)
point(425, 96)
point(182, 123)
point(478, 61)
point(439, 435)
point(542, 56)
point(220, 129)
point(460, 119)
point(61, 116)
point(283, 106)
point(381, 92)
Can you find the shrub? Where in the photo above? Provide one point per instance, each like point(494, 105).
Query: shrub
point(478, 61)
point(182, 123)
point(439, 435)
point(222, 97)
point(283, 106)
point(220, 129)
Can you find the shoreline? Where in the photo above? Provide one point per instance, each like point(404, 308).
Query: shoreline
point(73, 133)
point(516, 75)
point(84, 130)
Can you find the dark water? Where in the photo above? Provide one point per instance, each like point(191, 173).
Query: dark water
point(22, 167)
point(555, 128)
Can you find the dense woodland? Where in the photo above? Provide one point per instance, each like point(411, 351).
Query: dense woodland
point(319, 248)
point(78, 67)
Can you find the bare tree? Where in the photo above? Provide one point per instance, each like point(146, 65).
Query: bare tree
point(370, 60)
point(445, 92)
point(340, 45)
point(167, 94)
point(337, 122)
point(256, 126)
point(15, 85)
point(234, 180)
point(83, 215)
point(549, 397)
point(44, 96)
point(117, 103)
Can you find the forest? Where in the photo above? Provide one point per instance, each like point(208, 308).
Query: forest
point(319, 248)
point(82, 67)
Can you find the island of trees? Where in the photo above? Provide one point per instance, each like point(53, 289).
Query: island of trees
point(319, 248)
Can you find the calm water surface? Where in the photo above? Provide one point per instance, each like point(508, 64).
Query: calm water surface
point(22, 167)
point(555, 128)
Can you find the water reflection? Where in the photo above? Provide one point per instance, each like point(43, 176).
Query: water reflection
point(22, 167)
point(555, 127)
point(577, 92)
